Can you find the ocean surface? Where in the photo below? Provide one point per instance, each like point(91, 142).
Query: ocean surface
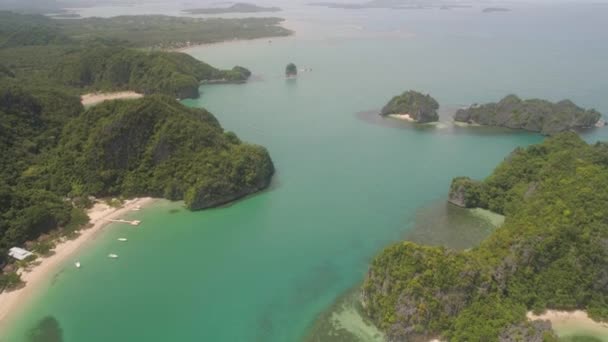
point(348, 183)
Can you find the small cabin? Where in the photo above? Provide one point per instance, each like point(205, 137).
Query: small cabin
point(19, 253)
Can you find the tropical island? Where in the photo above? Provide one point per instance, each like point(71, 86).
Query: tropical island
point(60, 158)
point(412, 106)
point(239, 7)
point(533, 115)
point(549, 254)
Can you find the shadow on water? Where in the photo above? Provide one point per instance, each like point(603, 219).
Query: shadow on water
point(46, 330)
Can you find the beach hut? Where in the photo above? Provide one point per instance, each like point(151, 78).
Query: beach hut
point(19, 253)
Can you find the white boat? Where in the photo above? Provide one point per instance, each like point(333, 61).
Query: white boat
point(113, 256)
point(122, 239)
point(77, 263)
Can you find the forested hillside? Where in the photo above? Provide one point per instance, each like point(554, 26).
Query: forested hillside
point(534, 115)
point(551, 253)
point(140, 31)
point(55, 154)
point(154, 147)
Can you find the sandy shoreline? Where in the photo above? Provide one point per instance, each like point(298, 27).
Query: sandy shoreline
point(37, 275)
point(95, 98)
point(565, 322)
point(405, 117)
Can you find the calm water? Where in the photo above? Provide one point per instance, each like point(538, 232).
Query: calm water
point(347, 185)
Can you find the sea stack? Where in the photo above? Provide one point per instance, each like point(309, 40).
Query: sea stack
point(291, 70)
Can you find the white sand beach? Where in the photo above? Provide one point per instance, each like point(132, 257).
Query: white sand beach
point(95, 98)
point(566, 322)
point(405, 117)
point(99, 215)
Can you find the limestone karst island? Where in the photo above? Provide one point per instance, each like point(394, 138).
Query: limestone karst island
point(176, 171)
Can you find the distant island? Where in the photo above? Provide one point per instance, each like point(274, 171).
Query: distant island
point(291, 70)
point(549, 254)
point(531, 115)
point(495, 9)
point(239, 7)
point(40, 51)
point(142, 31)
point(413, 106)
point(390, 4)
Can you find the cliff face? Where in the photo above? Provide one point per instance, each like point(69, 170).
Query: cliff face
point(252, 173)
point(551, 253)
point(157, 147)
point(421, 108)
point(464, 192)
point(532, 115)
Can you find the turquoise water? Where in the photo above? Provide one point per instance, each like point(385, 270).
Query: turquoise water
point(347, 184)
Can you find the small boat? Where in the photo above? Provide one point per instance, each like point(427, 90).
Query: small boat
point(113, 256)
point(122, 239)
point(77, 263)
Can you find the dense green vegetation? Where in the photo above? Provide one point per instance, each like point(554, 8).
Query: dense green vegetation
point(117, 68)
point(532, 115)
point(42, 52)
point(153, 147)
point(421, 108)
point(111, 67)
point(31, 121)
point(550, 253)
point(291, 70)
point(55, 155)
point(138, 31)
point(239, 7)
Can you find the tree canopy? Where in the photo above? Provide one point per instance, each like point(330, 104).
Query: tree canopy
point(534, 115)
point(550, 254)
point(421, 108)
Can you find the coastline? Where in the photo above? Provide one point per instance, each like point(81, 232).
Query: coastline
point(96, 98)
point(185, 49)
point(37, 275)
point(568, 322)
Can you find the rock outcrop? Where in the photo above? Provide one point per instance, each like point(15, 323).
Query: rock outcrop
point(464, 192)
point(419, 107)
point(533, 115)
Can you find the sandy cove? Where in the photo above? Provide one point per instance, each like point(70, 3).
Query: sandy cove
point(37, 275)
point(404, 116)
point(565, 320)
point(95, 98)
